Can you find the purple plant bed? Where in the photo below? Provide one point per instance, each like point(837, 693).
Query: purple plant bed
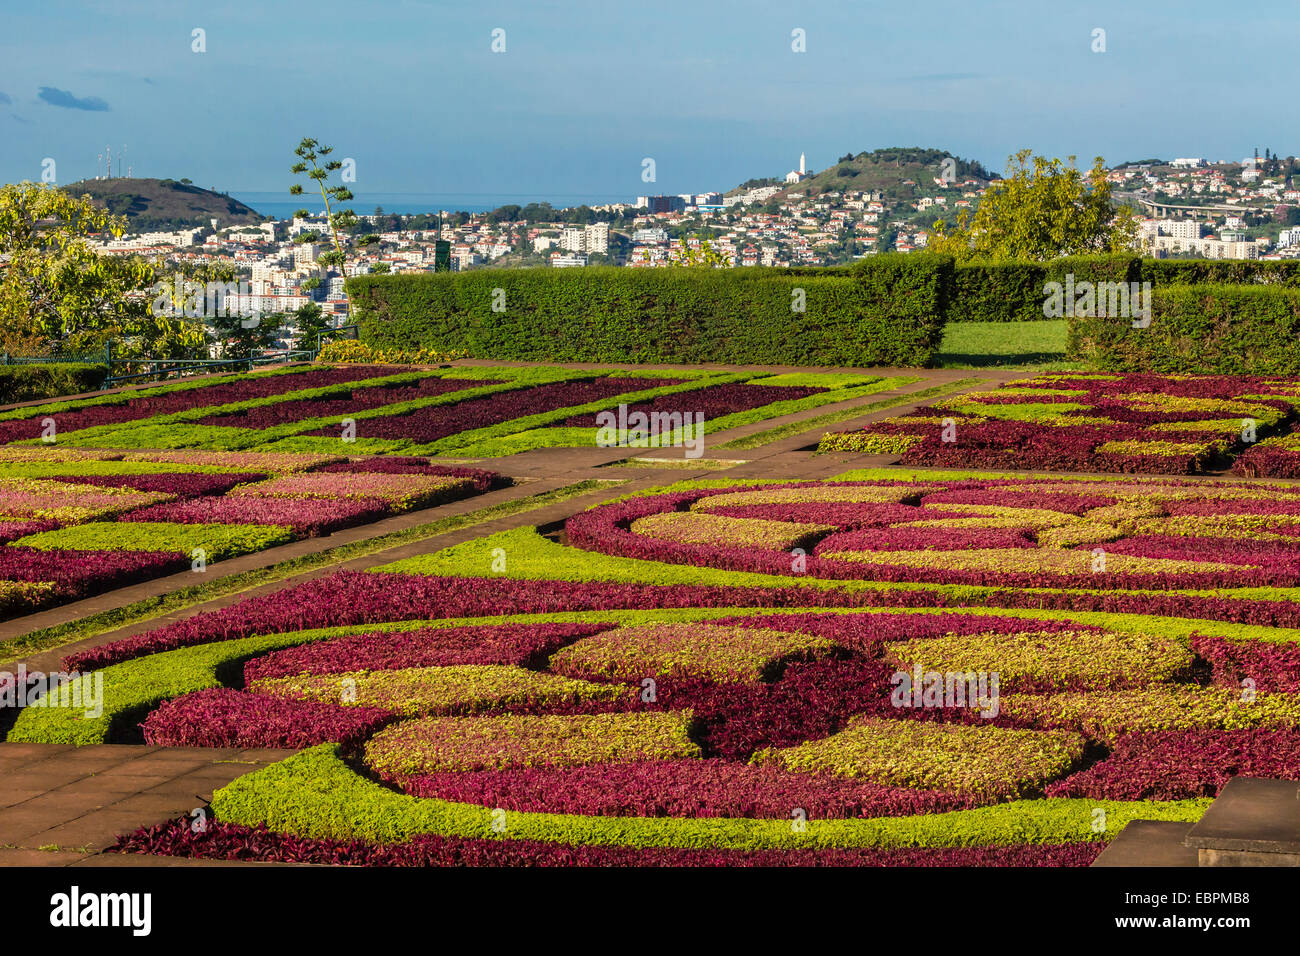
point(681, 788)
point(606, 529)
point(358, 400)
point(222, 717)
point(350, 598)
point(810, 701)
point(1182, 765)
point(309, 517)
point(133, 409)
point(712, 401)
point(224, 841)
point(80, 573)
point(918, 539)
point(13, 530)
point(181, 484)
point(527, 645)
point(401, 465)
point(1274, 668)
point(431, 424)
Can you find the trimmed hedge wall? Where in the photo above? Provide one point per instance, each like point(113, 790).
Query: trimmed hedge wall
point(882, 310)
point(886, 310)
point(1223, 329)
point(1012, 291)
point(27, 383)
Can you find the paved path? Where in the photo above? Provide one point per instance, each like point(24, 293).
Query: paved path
point(61, 805)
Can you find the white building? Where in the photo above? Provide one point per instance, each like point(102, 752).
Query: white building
point(596, 238)
point(800, 174)
point(572, 239)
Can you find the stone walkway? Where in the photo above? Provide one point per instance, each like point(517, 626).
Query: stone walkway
point(62, 805)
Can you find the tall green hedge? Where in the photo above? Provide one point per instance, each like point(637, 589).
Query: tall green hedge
point(886, 310)
point(1219, 328)
point(27, 383)
point(1012, 290)
point(1202, 271)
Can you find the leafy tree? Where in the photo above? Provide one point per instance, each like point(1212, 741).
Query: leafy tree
point(311, 322)
point(705, 256)
point(380, 269)
point(1041, 210)
point(59, 294)
point(241, 336)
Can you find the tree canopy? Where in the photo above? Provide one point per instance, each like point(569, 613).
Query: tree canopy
point(58, 294)
point(1043, 208)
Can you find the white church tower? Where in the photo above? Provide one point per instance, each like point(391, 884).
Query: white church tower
point(800, 174)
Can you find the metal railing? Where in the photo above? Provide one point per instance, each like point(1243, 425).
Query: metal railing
point(165, 368)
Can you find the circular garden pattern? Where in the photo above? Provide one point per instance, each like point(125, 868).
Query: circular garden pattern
point(821, 691)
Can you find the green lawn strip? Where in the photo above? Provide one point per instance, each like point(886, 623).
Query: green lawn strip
point(794, 406)
point(148, 608)
point(758, 439)
point(50, 408)
point(134, 687)
point(284, 434)
point(316, 794)
point(224, 437)
point(72, 470)
point(105, 434)
point(466, 444)
point(521, 440)
point(1038, 345)
point(216, 541)
point(820, 379)
point(530, 556)
point(1177, 628)
point(913, 474)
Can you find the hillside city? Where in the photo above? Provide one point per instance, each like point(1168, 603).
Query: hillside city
point(1187, 207)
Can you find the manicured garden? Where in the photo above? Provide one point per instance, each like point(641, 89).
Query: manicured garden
point(723, 688)
point(1077, 421)
point(79, 521)
point(888, 667)
point(458, 411)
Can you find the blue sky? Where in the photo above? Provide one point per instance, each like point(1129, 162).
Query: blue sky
point(585, 90)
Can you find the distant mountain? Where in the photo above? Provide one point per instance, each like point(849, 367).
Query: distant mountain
point(160, 204)
point(888, 170)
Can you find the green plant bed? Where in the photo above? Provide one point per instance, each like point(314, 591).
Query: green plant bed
point(316, 794)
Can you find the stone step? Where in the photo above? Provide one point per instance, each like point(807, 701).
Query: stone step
point(1253, 822)
point(1150, 843)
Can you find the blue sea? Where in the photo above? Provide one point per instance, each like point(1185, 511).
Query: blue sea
point(282, 206)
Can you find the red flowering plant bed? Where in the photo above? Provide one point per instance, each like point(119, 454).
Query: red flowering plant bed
point(1160, 424)
point(76, 522)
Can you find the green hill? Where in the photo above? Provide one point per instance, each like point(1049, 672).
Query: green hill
point(899, 173)
point(159, 204)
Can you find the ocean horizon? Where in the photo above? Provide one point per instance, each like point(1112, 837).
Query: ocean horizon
point(282, 206)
